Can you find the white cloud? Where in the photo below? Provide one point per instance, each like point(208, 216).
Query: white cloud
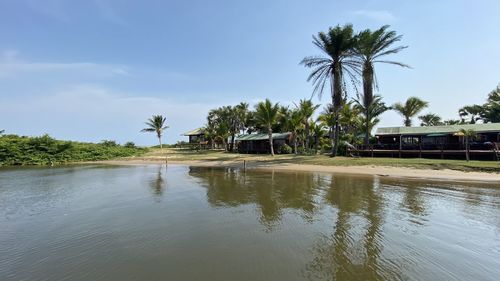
point(11, 65)
point(377, 15)
point(94, 113)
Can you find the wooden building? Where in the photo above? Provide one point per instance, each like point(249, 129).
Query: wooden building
point(196, 136)
point(435, 142)
point(259, 143)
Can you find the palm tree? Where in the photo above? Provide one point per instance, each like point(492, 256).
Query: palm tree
point(327, 118)
point(409, 109)
point(371, 47)
point(492, 106)
point(468, 135)
point(306, 108)
point(266, 114)
point(430, 119)
point(371, 111)
point(318, 130)
point(156, 124)
point(471, 112)
point(451, 122)
point(337, 63)
point(291, 121)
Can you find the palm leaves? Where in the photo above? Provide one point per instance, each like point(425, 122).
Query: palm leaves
point(336, 63)
point(371, 47)
point(430, 119)
point(371, 108)
point(266, 114)
point(306, 109)
point(409, 109)
point(468, 135)
point(156, 124)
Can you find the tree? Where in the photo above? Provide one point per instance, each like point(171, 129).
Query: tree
point(306, 109)
point(337, 63)
point(371, 47)
point(266, 114)
point(468, 135)
point(349, 120)
point(409, 109)
point(218, 123)
point(451, 122)
point(291, 121)
point(471, 113)
point(430, 119)
point(492, 106)
point(318, 130)
point(327, 118)
point(156, 124)
point(370, 111)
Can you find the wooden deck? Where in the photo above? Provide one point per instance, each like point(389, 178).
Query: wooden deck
point(435, 153)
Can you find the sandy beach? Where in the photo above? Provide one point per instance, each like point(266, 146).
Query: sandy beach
point(444, 174)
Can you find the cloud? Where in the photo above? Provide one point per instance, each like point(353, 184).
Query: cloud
point(11, 65)
point(376, 15)
point(93, 113)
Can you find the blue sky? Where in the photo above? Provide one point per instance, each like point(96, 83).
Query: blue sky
point(97, 69)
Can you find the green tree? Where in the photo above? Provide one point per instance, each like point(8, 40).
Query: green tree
point(336, 63)
point(471, 113)
point(451, 122)
point(430, 119)
point(306, 109)
point(156, 124)
point(370, 111)
point(371, 48)
point(291, 121)
point(492, 106)
point(409, 109)
point(468, 135)
point(266, 114)
point(327, 118)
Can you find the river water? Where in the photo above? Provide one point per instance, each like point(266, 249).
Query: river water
point(192, 223)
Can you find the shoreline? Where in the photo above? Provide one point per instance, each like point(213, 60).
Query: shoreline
point(385, 171)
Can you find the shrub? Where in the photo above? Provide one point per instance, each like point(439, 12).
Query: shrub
point(285, 149)
point(108, 143)
point(129, 144)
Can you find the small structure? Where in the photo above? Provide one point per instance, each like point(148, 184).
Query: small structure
point(435, 142)
point(195, 136)
point(259, 143)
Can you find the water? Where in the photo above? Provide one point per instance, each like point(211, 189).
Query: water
point(188, 223)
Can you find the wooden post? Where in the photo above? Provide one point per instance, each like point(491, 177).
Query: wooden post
point(400, 144)
point(420, 146)
point(244, 165)
point(372, 150)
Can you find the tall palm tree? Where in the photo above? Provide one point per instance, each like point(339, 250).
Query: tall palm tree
point(430, 119)
point(336, 63)
point(266, 114)
point(409, 109)
point(307, 109)
point(156, 124)
point(371, 48)
point(471, 113)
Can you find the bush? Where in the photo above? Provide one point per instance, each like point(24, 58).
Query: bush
point(129, 144)
point(44, 150)
point(285, 149)
point(108, 143)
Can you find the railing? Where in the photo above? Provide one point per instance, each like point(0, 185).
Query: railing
point(416, 147)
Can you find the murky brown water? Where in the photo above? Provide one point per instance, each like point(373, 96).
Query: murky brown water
point(186, 223)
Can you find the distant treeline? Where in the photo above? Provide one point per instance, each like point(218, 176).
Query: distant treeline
point(45, 150)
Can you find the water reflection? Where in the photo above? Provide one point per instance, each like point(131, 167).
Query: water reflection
point(158, 182)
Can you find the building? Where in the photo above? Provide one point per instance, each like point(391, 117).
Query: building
point(196, 136)
point(436, 142)
point(259, 143)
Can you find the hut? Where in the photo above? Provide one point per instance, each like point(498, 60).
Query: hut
point(436, 142)
point(196, 136)
point(259, 143)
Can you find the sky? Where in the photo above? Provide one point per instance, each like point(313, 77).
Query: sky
point(92, 70)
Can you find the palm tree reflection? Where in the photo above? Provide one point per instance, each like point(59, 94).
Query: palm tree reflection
point(157, 184)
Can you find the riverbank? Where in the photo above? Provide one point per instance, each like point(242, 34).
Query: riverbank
point(392, 167)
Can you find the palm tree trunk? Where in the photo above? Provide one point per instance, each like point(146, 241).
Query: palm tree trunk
point(307, 133)
point(337, 102)
point(368, 97)
point(270, 131)
point(159, 140)
point(231, 146)
point(467, 156)
point(295, 143)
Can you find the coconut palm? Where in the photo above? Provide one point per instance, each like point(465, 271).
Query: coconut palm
point(409, 109)
point(430, 119)
point(306, 108)
point(291, 121)
point(327, 118)
point(156, 124)
point(266, 114)
point(370, 110)
point(471, 113)
point(371, 48)
point(492, 106)
point(336, 63)
point(468, 135)
point(451, 122)
point(318, 130)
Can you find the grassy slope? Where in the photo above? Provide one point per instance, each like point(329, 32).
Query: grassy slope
point(189, 155)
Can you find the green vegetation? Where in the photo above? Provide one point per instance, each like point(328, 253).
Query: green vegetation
point(45, 150)
point(409, 109)
point(266, 114)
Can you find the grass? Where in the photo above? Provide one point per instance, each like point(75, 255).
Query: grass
point(417, 163)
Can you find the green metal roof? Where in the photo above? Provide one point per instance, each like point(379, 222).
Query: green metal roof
point(478, 128)
point(195, 132)
point(252, 137)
